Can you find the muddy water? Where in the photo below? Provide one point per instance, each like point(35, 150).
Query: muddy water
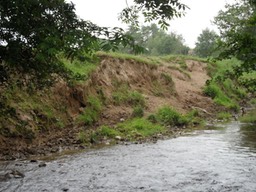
point(215, 159)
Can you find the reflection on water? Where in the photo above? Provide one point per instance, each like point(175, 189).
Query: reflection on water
point(248, 136)
point(221, 158)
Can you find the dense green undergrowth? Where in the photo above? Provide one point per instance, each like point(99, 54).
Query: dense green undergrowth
point(222, 88)
point(140, 128)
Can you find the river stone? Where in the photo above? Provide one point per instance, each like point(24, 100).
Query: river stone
point(42, 164)
point(118, 138)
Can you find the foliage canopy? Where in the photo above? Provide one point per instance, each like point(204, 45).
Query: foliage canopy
point(34, 32)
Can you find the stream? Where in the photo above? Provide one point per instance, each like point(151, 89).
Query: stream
point(218, 158)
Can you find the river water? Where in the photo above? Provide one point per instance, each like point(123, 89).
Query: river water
point(216, 159)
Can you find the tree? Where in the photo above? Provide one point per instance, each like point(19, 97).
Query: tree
point(160, 11)
point(237, 25)
point(34, 32)
point(206, 43)
point(156, 41)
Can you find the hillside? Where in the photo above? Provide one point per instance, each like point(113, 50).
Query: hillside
point(52, 120)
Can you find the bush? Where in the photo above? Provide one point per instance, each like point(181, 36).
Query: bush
point(212, 90)
point(169, 116)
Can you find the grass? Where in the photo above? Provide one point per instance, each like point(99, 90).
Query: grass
point(123, 95)
point(249, 117)
point(81, 69)
point(216, 93)
point(169, 116)
point(222, 89)
point(224, 116)
point(131, 130)
point(138, 111)
point(139, 127)
point(92, 111)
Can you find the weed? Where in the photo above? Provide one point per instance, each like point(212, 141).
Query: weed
point(169, 116)
point(249, 117)
point(103, 132)
point(138, 111)
point(220, 98)
point(212, 90)
point(139, 127)
point(82, 137)
point(152, 118)
point(136, 99)
point(91, 112)
point(124, 96)
point(224, 116)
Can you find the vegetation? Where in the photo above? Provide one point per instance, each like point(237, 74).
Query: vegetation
point(238, 39)
point(123, 95)
point(249, 118)
point(156, 41)
point(206, 43)
point(91, 112)
point(224, 116)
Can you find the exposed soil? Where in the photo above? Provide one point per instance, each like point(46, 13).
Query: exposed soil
point(183, 93)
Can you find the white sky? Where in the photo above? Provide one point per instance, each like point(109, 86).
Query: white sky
point(105, 13)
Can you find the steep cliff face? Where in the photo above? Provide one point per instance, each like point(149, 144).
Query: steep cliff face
point(48, 120)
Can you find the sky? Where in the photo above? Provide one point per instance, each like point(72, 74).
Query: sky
point(105, 14)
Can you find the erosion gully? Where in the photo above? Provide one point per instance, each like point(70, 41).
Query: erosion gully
point(218, 158)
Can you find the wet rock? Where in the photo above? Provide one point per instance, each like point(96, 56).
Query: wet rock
point(5, 177)
point(33, 161)
point(65, 189)
point(42, 164)
point(122, 120)
point(119, 138)
point(16, 174)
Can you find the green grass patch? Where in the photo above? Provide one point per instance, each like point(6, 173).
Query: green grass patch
point(138, 111)
point(224, 116)
point(139, 127)
point(123, 95)
point(169, 116)
point(214, 91)
point(91, 112)
point(250, 117)
point(81, 69)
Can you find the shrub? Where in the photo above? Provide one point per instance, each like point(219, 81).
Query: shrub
point(169, 116)
point(212, 90)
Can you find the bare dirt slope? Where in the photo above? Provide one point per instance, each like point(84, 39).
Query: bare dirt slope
point(183, 93)
point(163, 84)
